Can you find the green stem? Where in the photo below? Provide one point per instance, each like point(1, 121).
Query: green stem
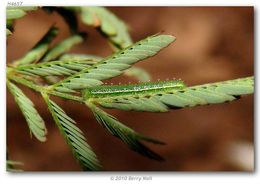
point(43, 89)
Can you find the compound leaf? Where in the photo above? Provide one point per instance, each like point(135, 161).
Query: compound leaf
point(136, 72)
point(127, 135)
point(33, 118)
point(73, 136)
point(161, 98)
point(54, 71)
point(63, 47)
point(115, 64)
point(108, 24)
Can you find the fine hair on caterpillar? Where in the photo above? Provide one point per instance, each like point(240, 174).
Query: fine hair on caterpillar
point(117, 90)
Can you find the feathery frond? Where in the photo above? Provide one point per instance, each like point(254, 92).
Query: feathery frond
point(109, 25)
point(127, 135)
point(115, 64)
point(73, 136)
point(162, 99)
point(39, 49)
point(56, 68)
point(63, 47)
point(136, 72)
point(33, 118)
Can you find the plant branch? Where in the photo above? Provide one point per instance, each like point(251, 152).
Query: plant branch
point(41, 89)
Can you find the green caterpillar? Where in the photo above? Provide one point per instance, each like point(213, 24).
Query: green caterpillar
point(120, 90)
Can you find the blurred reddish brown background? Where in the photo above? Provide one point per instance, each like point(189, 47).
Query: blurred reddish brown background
point(213, 44)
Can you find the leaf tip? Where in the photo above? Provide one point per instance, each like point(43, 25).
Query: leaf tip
point(166, 38)
point(172, 38)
